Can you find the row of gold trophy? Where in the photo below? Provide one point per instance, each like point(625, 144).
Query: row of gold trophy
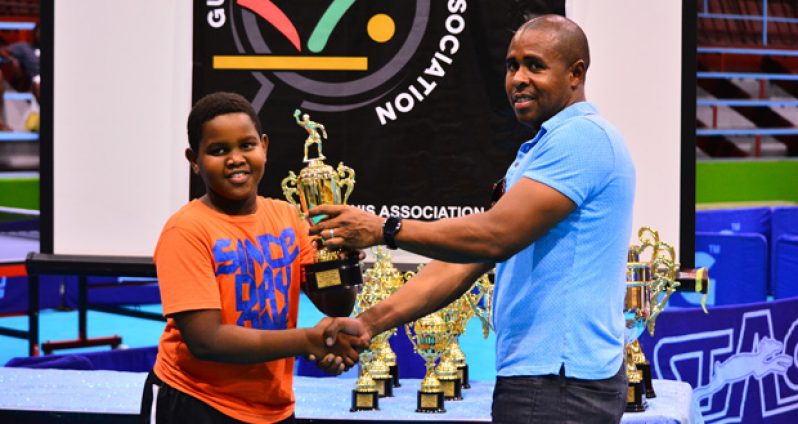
point(434, 338)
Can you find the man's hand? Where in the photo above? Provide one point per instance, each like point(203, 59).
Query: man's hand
point(347, 227)
point(349, 326)
point(338, 353)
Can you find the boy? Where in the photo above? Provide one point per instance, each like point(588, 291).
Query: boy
point(228, 270)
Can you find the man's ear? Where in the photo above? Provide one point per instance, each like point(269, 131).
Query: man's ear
point(192, 159)
point(577, 73)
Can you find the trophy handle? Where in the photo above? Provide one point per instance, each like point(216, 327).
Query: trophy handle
point(483, 291)
point(410, 336)
point(289, 191)
point(347, 179)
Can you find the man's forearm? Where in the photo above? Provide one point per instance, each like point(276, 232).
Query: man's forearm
point(435, 286)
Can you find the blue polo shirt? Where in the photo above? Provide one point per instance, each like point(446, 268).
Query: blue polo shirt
point(560, 300)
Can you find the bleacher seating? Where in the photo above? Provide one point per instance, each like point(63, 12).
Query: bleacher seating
point(747, 58)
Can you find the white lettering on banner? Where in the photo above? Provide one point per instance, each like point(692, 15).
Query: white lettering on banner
point(421, 88)
point(216, 16)
point(427, 212)
point(721, 386)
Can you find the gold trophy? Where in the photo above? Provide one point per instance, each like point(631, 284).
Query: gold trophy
point(387, 280)
point(470, 305)
point(430, 339)
point(365, 396)
point(320, 184)
point(447, 371)
point(649, 285)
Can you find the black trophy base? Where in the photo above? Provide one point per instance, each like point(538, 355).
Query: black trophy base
point(452, 389)
point(394, 370)
point(330, 275)
point(365, 401)
point(429, 403)
point(462, 371)
point(636, 397)
point(646, 368)
point(384, 386)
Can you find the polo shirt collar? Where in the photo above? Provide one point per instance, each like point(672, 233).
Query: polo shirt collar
point(576, 109)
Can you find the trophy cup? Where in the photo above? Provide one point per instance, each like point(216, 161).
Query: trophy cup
point(447, 371)
point(320, 184)
point(429, 338)
point(387, 280)
point(649, 285)
point(365, 396)
point(371, 292)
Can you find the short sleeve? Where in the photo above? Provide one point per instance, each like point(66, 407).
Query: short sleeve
point(186, 274)
point(574, 159)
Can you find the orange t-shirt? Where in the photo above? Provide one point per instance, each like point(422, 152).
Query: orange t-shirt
point(248, 267)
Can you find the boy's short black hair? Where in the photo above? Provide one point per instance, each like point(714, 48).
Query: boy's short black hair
point(213, 105)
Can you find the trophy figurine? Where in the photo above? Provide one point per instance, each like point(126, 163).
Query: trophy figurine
point(320, 184)
point(429, 338)
point(365, 396)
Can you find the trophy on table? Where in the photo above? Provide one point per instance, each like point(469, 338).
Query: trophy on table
point(430, 338)
point(465, 311)
point(365, 396)
point(320, 184)
point(371, 292)
point(447, 370)
point(388, 279)
point(649, 285)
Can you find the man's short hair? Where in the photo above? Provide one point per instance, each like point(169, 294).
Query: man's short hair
point(573, 41)
point(213, 105)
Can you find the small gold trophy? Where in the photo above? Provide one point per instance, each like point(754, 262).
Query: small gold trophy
point(365, 396)
point(320, 184)
point(447, 371)
point(429, 338)
point(387, 280)
point(471, 303)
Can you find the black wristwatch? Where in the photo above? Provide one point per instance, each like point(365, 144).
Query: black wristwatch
point(392, 226)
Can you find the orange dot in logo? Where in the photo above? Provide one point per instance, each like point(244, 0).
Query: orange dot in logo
point(381, 28)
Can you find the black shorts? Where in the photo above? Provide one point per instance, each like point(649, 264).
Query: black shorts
point(173, 406)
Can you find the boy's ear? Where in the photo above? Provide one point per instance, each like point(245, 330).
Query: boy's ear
point(192, 159)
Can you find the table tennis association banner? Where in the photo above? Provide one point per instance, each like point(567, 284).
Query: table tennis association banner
point(411, 93)
point(741, 360)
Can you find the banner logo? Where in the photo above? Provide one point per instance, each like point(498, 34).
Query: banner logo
point(344, 54)
point(721, 364)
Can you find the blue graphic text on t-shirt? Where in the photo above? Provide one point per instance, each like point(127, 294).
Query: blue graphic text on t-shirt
point(260, 307)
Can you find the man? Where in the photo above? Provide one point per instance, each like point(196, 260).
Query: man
point(558, 238)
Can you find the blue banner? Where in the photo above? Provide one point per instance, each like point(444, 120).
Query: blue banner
point(741, 360)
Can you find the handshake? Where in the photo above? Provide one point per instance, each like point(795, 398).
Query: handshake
point(335, 343)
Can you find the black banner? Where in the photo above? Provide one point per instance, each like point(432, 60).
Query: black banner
point(411, 92)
